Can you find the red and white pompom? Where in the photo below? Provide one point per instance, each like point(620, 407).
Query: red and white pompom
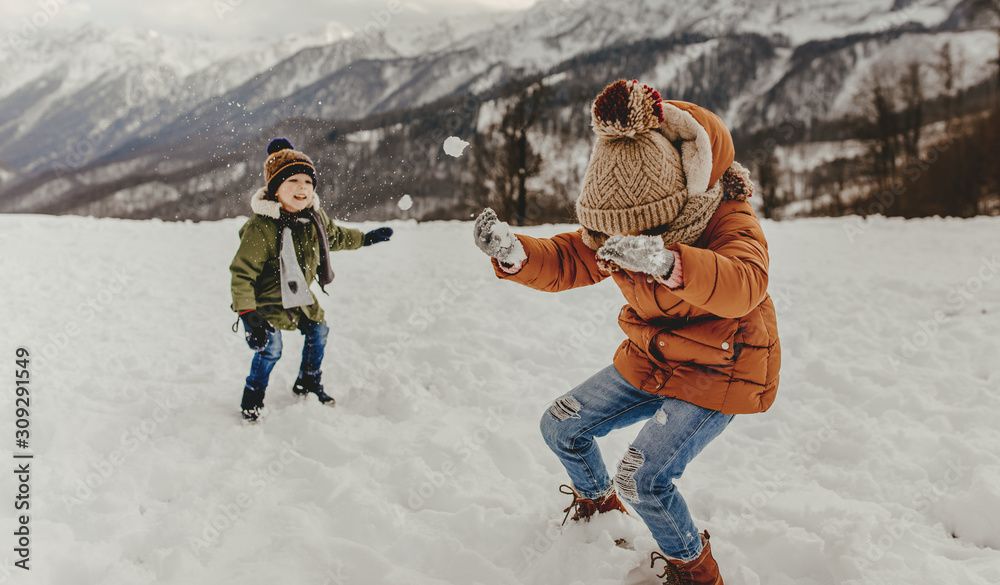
point(736, 183)
point(627, 108)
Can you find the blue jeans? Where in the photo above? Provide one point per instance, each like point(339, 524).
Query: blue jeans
point(312, 353)
point(675, 431)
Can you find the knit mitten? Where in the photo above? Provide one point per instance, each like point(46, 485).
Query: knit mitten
point(644, 254)
point(377, 235)
point(493, 237)
point(255, 328)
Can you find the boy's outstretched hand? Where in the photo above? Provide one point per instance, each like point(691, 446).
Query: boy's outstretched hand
point(493, 237)
point(255, 327)
point(377, 235)
point(644, 254)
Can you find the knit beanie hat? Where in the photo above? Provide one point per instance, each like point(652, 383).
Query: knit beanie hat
point(282, 162)
point(655, 167)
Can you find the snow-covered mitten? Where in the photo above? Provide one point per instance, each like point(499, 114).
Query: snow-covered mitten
point(644, 254)
point(377, 235)
point(255, 327)
point(493, 237)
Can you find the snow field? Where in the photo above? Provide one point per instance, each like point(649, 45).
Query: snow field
point(878, 462)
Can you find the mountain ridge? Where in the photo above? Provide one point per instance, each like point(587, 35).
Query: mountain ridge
point(770, 79)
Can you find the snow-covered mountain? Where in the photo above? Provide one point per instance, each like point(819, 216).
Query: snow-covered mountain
point(553, 30)
point(69, 97)
point(199, 102)
point(64, 89)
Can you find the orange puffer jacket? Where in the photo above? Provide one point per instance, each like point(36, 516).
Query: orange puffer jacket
point(713, 341)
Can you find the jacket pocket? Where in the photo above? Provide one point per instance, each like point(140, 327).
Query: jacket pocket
point(712, 344)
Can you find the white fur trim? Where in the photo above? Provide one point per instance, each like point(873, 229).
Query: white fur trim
point(272, 209)
point(696, 148)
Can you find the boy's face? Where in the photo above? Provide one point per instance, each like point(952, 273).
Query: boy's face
point(296, 193)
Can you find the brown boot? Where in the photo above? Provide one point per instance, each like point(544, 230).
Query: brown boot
point(701, 571)
point(586, 507)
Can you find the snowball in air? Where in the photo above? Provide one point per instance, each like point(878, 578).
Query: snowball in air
point(454, 146)
point(405, 202)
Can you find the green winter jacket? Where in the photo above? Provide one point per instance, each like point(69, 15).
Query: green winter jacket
point(255, 268)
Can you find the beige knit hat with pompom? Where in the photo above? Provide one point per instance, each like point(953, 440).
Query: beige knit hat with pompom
point(655, 166)
point(635, 180)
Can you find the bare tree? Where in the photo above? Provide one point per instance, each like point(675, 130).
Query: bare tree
point(505, 159)
point(912, 116)
point(885, 133)
point(960, 195)
point(893, 117)
point(991, 7)
point(946, 70)
point(767, 186)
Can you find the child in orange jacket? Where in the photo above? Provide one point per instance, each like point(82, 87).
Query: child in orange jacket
point(664, 213)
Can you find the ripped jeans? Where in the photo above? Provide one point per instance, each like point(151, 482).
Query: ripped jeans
point(674, 432)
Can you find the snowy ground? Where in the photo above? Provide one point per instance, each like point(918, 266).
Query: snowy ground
point(879, 462)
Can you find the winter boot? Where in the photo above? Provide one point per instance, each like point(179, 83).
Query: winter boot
point(307, 383)
point(701, 571)
point(253, 401)
point(584, 508)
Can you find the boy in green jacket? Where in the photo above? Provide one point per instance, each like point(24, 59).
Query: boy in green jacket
point(283, 248)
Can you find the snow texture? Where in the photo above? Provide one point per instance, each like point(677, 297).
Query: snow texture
point(405, 203)
point(879, 463)
point(645, 254)
point(455, 146)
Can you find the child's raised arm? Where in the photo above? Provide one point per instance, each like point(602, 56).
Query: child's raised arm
point(342, 238)
point(547, 264)
point(555, 264)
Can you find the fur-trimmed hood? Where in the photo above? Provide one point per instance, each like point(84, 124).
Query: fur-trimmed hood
point(679, 126)
point(270, 207)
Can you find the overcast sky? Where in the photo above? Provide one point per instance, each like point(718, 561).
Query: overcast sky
point(234, 18)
